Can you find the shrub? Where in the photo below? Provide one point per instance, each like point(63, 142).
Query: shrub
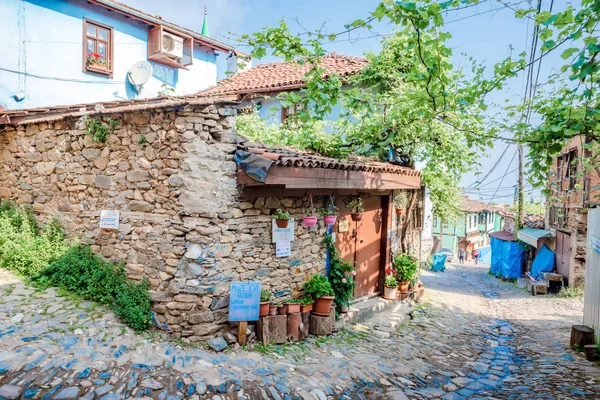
point(341, 275)
point(94, 278)
point(318, 286)
point(265, 296)
point(405, 267)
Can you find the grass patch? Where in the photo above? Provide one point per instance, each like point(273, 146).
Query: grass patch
point(570, 292)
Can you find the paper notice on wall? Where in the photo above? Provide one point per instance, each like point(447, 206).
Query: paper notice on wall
point(283, 234)
point(109, 219)
point(283, 249)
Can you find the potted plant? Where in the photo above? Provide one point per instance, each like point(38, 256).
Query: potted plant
point(405, 267)
point(96, 62)
point(400, 203)
point(282, 218)
point(355, 204)
point(293, 306)
point(272, 309)
point(265, 298)
point(341, 278)
point(306, 304)
point(329, 213)
point(281, 309)
point(309, 217)
point(319, 288)
point(390, 287)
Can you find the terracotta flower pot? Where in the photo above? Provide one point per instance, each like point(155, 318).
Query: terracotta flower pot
point(403, 287)
point(293, 308)
point(264, 309)
point(306, 308)
point(399, 211)
point(390, 292)
point(282, 223)
point(329, 219)
point(272, 309)
point(357, 216)
point(282, 310)
point(343, 309)
point(322, 305)
point(309, 221)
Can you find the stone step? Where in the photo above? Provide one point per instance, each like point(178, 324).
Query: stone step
point(367, 308)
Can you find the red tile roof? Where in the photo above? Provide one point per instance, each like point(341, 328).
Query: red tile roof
point(292, 157)
point(472, 206)
point(282, 76)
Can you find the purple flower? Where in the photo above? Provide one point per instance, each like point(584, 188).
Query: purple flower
point(354, 273)
point(343, 280)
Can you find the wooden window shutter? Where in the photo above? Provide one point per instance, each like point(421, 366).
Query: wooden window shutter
point(154, 42)
point(188, 52)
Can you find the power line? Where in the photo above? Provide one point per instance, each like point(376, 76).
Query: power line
point(479, 181)
point(503, 176)
point(56, 78)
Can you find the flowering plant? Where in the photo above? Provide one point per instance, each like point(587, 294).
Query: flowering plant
point(95, 58)
point(390, 281)
point(341, 275)
point(405, 267)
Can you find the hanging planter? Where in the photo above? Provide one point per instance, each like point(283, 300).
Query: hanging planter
point(282, 218)
point(399, 212)
point(356, 205)
point(329, 212)
point(309, 218)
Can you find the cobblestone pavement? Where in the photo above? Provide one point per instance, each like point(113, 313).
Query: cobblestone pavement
point(474, 337)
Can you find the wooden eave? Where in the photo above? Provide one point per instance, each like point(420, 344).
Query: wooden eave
point(334, 179)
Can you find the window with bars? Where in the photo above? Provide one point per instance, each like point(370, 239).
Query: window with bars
point(97, 48)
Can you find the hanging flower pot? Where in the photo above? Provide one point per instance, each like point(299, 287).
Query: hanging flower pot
point(399, 211)
point(329, 219)
point(329, 212)
point(309, 220)
point(282, 218)
point(357, 216)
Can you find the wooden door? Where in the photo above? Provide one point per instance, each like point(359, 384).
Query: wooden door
point(563, 254)
point(361, 243)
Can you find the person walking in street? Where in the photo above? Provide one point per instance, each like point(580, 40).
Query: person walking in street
point(461, 256)
point(475, 255)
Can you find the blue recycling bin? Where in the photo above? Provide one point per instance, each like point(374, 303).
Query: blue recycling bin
point(439, 262)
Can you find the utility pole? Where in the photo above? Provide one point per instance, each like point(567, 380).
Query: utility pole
point(520, 190)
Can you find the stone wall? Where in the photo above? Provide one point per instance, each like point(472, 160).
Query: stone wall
point(171, 174)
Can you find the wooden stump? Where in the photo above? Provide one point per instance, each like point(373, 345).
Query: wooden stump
point(305, 327)
point(294, 329)
point(591, 352)
point(320, 325)
point(581, 335)
point(272, 329)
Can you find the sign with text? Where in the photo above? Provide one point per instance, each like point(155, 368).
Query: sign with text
point(283, 234)
point(244, 301)
point(109, 219)
point(283, 249)
point(595, 243)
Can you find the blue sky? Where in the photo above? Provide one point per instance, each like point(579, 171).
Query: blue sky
point(487, 31)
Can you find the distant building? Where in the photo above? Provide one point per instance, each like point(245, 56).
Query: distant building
point(57, 52)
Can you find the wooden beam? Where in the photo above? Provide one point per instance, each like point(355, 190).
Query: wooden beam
point(4, 119)
point(323, 178)
point(253, 192)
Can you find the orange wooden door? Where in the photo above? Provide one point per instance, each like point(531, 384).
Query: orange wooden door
point(361, 244)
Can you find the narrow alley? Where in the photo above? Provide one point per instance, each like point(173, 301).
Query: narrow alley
point(473, 337)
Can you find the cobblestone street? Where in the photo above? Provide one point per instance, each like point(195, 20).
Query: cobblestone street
point(473, 337)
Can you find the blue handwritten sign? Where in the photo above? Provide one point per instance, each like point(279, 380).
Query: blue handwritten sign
point(244, 301)
point(595, 243)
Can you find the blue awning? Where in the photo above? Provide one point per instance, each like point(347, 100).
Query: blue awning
point(531, 235)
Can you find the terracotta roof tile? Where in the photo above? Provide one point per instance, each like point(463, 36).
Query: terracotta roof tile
point(283, 76)
point(292, 157)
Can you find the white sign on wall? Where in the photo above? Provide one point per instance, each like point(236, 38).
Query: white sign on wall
point(109, 219)
point(283, 234)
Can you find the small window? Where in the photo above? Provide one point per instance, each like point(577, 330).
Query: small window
point(97, 48)
point(572, 168)
point(287, 112)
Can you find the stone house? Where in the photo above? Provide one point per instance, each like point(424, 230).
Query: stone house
point(192, 220)
point(573, 190)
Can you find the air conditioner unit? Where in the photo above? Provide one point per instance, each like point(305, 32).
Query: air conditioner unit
point(172, 45)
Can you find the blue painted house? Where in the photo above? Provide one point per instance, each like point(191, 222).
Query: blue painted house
point(58, 52)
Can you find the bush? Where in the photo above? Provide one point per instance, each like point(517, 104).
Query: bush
point(94, 278)
point(318, 286)
point(405, 267)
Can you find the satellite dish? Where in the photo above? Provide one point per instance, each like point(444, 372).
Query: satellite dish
point(139, 74)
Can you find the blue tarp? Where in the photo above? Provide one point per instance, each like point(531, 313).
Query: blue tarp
point(513, 257)
point(439, 262)
point(496, 257)
point(485, 255)
point(543, 262)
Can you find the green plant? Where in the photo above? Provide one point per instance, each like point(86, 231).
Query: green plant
point(166, 91)
point(318, 286)
point(90, 276)
point(280, 214)
point(570, 291)
point(329, 209)
point(95, 58)
point(390, 281)
point(355, 204)
point(98, 130)
point(142, 140)
point(279, 304)
point(306, 300)
point(405, 267)
point(294, 301)
point(341, 275)
point(310, 212)
point(265, 296)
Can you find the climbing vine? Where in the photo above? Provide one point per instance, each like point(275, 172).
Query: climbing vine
point(100, 131)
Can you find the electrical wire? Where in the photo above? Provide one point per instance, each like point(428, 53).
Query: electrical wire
point(503, 176)
point(56, 78)
point(479, 181)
